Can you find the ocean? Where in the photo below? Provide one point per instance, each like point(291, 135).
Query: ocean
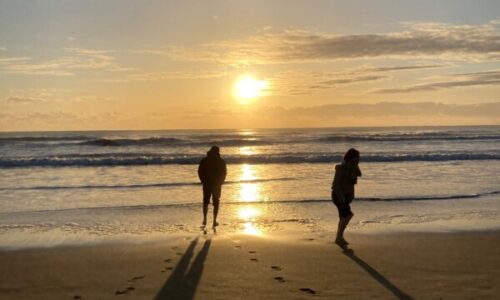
point(62, 188)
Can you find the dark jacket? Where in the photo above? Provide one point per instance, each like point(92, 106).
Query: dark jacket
point(346, 176)
point(212, 169)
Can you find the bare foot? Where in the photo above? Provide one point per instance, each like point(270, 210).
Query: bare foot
point(341, 242)
point(215, 224)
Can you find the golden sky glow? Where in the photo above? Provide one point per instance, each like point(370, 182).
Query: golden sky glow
point(120, 64)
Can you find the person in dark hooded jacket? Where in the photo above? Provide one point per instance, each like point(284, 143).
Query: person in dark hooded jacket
point(212, 174)
point(346, 176)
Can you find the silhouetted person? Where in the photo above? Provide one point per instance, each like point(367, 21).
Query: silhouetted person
point(212, 173)
point(346, 176)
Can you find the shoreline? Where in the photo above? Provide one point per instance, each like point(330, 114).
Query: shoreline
point(236, 266)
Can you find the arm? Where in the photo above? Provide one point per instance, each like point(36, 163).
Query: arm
point(201, 171)
point(340, 195)
point(337, 185)
point(224, 172)
point(358, 171)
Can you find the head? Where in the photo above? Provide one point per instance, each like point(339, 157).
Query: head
point(352, 156)
point(214, 151)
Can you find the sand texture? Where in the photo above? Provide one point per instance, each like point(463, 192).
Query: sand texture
point(395, 266)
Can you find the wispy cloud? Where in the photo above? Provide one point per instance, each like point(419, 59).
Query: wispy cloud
point(354, 114)
point(33, 96)
point(25, 96)
point(304, 83)
point(13, 60)
point(384, 109)
point(308, 82)
point(489, 78)
point(78, 59)
point(168, 75)
point(402, 68)
point(417, 41)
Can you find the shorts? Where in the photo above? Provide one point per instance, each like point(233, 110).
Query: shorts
point(213, 192)
point(344, 208)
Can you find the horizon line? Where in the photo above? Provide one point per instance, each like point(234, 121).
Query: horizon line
point(256, 128)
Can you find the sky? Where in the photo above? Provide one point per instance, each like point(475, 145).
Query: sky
point(123, 64)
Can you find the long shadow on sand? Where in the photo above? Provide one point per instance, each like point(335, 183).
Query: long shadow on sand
point(183, 281)
point(399, 294)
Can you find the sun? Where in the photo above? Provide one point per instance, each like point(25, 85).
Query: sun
point(248, 87)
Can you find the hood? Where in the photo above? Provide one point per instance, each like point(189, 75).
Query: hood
point(212, 154)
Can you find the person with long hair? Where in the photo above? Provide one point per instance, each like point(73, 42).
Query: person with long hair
point(346, 176)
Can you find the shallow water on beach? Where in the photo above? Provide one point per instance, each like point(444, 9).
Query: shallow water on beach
point(63, 187)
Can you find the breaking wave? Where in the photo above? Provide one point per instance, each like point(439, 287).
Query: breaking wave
point(126, 159)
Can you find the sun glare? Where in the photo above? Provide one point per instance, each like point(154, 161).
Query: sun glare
point(247, 88)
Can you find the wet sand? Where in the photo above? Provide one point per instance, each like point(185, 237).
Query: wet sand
point(390, 266)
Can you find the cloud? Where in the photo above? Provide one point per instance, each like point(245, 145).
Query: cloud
point(386, 109)
point(303, 83)
point(488, 78)
point(11, 60)
point(15, 99)
point(78, 59)
point(308, 82)
point(24, 96)
point(32, 96)
point(345, 115)
point(402, 68)
point(2, 48)
point(417, 41)
point(170, 75)
point(489, 110)
point(59, 119)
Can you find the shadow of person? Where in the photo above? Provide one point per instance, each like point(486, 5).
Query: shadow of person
point(184, 279)
point(399, 294)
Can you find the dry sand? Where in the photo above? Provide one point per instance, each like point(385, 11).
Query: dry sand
point(395, 266)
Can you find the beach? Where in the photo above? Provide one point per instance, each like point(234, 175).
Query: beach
point(386, 266)
point(110, 215)
point(249, 150)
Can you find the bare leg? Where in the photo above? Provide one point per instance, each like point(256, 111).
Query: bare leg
point(216, 212)
point(342, 226)
point(205, 211)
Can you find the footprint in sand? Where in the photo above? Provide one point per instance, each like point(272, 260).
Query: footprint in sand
point(166, 268)
point(77, 297)
point(179, 253)
point(279, 279)
point(237, 247)
point(129, 289)
point(252, 252)
point(167, 260)
point(254, 259)
point(137, 278)
point(276, 268)
point(308, 290)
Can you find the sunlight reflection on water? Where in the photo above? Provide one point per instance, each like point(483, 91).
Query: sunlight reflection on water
point(249, 192)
